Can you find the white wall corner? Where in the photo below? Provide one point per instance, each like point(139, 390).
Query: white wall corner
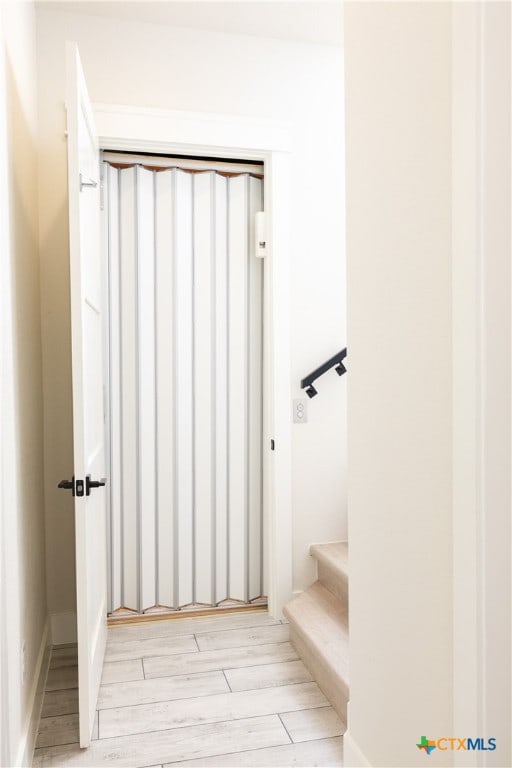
point(353, 756)
point(63, 626)
point(29, 733)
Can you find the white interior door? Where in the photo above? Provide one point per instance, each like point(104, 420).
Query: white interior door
point(88, 409)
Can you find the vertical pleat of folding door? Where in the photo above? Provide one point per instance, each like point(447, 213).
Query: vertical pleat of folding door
point(165, 388)
point(244, 386)
point(146, 499)
point(129, 371)
point(238, 308)
point(254, 397)
point(204, 409)
point(115, 395)
point(184, 361)
point(220, 387)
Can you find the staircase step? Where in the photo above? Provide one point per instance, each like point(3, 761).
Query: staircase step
point(333, 567)
point(319, 632)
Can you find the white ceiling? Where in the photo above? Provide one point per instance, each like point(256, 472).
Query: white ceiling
point(297, 20)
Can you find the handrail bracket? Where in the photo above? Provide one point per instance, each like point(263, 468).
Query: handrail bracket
point(336, 362)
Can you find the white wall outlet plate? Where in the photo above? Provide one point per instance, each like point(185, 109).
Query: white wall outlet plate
point(300, 410)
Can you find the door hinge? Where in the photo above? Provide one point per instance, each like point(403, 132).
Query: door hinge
point(85, 181)
point(260, 235)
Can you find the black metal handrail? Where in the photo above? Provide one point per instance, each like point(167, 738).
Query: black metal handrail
point(336, 362)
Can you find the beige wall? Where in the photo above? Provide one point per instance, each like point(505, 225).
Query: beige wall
point(24, 546)
point(184, 69)
point(398, 102)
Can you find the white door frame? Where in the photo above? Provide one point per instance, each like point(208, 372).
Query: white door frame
point(134, 129)
point(481, 296)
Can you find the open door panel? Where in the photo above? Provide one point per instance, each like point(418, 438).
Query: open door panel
point(88, 482)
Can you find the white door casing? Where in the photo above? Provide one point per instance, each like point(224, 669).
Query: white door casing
point(133, 129)
point(481, 311)
point(87, 378)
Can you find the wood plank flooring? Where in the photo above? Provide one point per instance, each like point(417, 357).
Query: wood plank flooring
point(224, 690)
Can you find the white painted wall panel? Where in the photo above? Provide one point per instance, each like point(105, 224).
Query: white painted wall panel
point(186, 370)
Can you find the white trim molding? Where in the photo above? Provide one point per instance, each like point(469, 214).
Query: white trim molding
point(125, 128)
point(29, 734)
point(482, 333)
point(199, 132)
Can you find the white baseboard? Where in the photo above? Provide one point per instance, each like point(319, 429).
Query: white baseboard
point(353, 756)
point(63, 627)
point(29, 734)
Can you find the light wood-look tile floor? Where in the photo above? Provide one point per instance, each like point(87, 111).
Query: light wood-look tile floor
point(220, 691)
